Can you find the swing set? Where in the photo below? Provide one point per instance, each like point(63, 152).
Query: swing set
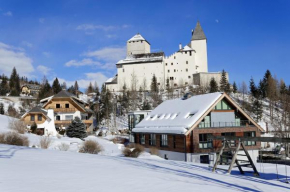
point(227, 151)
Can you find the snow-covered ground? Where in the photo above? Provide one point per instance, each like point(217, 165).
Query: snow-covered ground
point(35, 169)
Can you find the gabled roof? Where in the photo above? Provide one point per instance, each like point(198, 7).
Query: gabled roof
point(63, 94)
point(36, 110)
point(198, 33)
point(171, 115)
point(138, 37)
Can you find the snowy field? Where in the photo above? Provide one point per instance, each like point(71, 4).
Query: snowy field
point(35, 169)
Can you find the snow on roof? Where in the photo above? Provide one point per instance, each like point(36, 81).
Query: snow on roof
point(187, 48)
point(109, 80)
point(137, 37)
point(177, 115)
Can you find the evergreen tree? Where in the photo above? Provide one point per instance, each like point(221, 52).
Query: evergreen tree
point(146, 106)
point(71, 89)
point(283, 87)
point(4, 87)
point(90, 88)
point(56, 86)
point(76, 129)
point(33, 127)
point(154, 86)
point(253, 88)
point(213, 86)
point(14, 83)
point(76, 88)
point(105, 103)
point(257, 109)
point(96, 89)
point(125, 99)
point(235, 89)
point(167, 84)
point(224, 84)
point(45, 90)
point(264, 84)
point(2, 109)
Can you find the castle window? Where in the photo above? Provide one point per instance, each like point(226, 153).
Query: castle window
point(185, 52)
point(174, 70)
point(188, 77)
point(174, 57)
point(190, 53)
point(186, 70)
point(166, 64)
point(186, 62)
point(168, 71)
point(171, 63)
point(123, 70)
point(141, 41)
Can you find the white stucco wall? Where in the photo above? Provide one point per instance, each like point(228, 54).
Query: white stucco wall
point(200, 46)
point(137, 47)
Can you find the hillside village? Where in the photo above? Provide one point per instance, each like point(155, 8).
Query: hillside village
point(169, 116)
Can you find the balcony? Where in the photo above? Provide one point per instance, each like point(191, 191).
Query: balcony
point(69, 121)
point(242, 123)
point(64, 110)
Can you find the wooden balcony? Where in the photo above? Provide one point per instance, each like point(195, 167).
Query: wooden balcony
point(64, 110)
point(69, 121)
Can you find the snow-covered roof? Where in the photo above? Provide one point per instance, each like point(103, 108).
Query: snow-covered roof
point(177, 115)
point(187, 48)
point(109, 80)
point(141, 58)
point(137, 37)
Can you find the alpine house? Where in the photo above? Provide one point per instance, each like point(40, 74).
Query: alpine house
point(179, 128)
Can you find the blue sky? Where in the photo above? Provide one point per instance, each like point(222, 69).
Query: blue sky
point(83, 39)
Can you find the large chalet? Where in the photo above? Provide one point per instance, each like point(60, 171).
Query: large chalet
point(179, 128)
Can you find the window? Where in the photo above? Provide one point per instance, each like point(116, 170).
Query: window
point(166, 64)
point(142, 139)
point(190, 115)
point(168, 71)
point(174, 57)
point(57, 106)
point(186, 62)
point(39, 117)
point(66, 105)
point(57, 118)
point(174, 70)
point(223, 105)
point(185, 52)
point(250, 134)
point(123, 70)
point(186, 70)
point(132, 138)
point(32, 117)
point(190, 53)
point(174, 142)
point(171, 63)
point(232, 134)
point(68, 117)
point(163, 140)
point(152, 139)
point(204, 142)
point(188, 77)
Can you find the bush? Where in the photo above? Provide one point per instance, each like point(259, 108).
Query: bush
point(45, 142)
point(13, 138)
point(91, 147)
point(17, 125)
point(154, 151)
point(133, 150)
point(63, 147)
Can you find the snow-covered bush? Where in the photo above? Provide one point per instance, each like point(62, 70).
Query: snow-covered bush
point(91, 147)
point(133, 150)
point(45, 142)
point(154, 151)
point(17, 125)
point(76, 129)
point(13, 138)
point(63, 147)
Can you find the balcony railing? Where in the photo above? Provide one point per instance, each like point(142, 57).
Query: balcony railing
point(65, 110)
point(69, 121)
point(243, 123)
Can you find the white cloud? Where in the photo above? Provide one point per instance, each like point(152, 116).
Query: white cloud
point(8, 13)
point(108, 54)
point(46, 54)
point(84, 83)
point(87, 27)
point(41, 20)
point(14, 57)
point(43, 69)
point(84, 62)
point(217, 21)
point(27, 44)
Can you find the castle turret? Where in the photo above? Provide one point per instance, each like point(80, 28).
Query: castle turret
point(198, 43)
point(137, 45)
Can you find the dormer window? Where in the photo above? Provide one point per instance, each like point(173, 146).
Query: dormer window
point(190, 115)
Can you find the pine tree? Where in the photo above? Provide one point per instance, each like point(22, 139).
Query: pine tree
point(2, 109)
point(56, 86)
point(45, 90)
point(90, 88)
point(224, 84)
point(265, 83)
point(253, 88)
point(283, 87)
point(167, 84)
point(14, 83)
point(154, 86)
point(76, 88)
point(257, 109)
point(146, 106)
point(235, 89)
point(105, 103)
point(76, 129)
point(96, 89)
point(213, 86)
point(4, 87)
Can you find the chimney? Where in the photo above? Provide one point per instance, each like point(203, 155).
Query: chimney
point(180, 46)
point(192, 31)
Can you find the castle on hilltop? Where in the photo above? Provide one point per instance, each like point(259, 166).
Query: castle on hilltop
point(187, 66)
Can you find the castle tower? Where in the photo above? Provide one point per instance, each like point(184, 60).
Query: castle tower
point(137, 45)
point(199, 44)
